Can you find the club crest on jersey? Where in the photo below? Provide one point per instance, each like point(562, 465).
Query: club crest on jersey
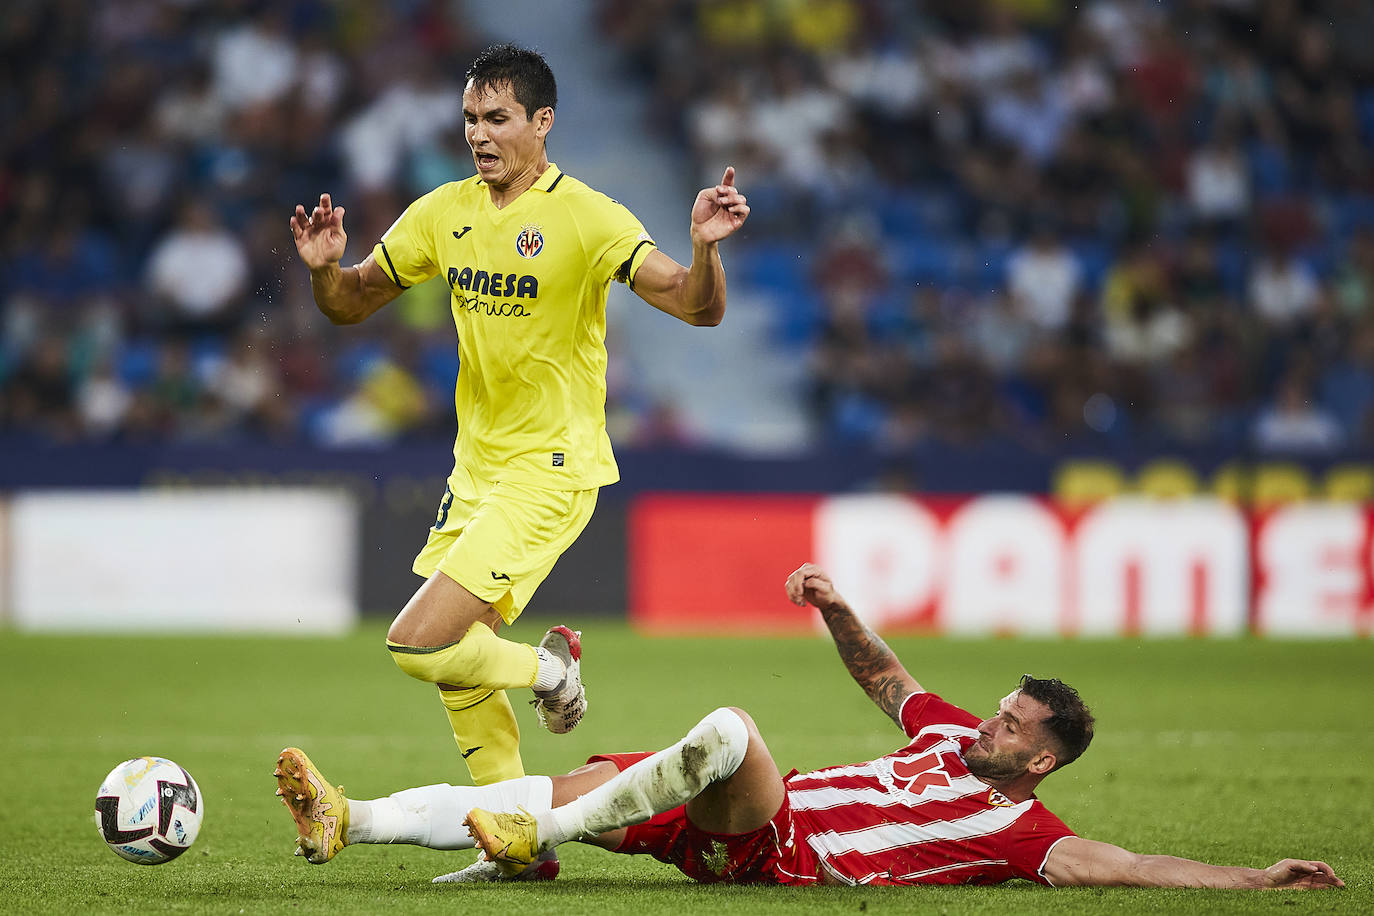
point(529, 242)
point(999, 800)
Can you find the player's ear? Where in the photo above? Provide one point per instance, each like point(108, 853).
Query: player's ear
point(543, 122)
point(1042, 763)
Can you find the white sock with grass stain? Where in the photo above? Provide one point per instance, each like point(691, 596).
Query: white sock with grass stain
point(433, 815)
point(713, 750)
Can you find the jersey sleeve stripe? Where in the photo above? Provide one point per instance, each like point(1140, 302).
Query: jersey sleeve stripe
point(394, 276)
point(1041, 870)
point(901, 710)
point(942, 869)
point(624, 270)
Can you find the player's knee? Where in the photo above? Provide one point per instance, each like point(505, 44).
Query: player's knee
point(724, 736)
point(433, 664)
point(410, 659)
point(744, 717)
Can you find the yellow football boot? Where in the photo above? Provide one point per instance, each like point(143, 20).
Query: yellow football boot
point(509, 838)
point(319, 809)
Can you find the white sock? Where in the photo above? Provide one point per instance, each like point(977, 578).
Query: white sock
point(551, 671)
point(713, 750)
point(433, 815)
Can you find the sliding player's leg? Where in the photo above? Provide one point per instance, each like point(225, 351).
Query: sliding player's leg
point(721, 770)
point(327, 820)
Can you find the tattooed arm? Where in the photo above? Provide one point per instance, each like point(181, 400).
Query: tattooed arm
point(871, 663)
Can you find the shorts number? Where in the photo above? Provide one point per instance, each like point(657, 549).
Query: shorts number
point(444, 505)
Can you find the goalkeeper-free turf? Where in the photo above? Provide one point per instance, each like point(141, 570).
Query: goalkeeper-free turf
point(1237, 752)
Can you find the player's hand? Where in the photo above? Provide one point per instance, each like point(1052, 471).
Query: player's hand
point(320, 236)
point(719, 211)
point(1299, 873)
point(810, 585)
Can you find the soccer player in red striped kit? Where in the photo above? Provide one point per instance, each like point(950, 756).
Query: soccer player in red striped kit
point(956, 805)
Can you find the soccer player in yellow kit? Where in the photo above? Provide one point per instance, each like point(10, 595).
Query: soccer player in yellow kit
point(529, 253)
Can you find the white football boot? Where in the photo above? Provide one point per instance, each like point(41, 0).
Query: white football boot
point(561, 708)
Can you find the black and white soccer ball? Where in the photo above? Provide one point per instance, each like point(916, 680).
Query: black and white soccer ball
point(149, 810)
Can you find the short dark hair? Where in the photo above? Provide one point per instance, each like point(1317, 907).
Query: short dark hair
point(528, 74)
point(1070, 722)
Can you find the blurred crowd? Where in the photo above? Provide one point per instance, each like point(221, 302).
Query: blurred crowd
point(151, 154)
point(1135, 221)
point(1128, 220)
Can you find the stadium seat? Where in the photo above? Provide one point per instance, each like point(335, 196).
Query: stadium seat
point(1351, 213)
point(439, 365)
point(1233, 263)
point(1269, 169)
point(932, 260)
point(778, 266)
point(989, 268)
point(1095, 257)
point(1365, 105)
point(138, 362)
point(354, 360)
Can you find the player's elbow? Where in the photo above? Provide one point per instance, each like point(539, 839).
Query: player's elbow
point(347, 313)
point(704, 314)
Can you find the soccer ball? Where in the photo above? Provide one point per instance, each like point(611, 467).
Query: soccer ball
point(149, 810)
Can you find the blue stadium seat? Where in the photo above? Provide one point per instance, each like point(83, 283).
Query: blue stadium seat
point(1365, 106)
point(779, 266)
point(439, 365)
point(138, 362)
point(900, 215)
point(989, 268)
point(1095, 257)
point(1321, 257)
point(796, 315)
point(937, 261)
point(856, 418)
point(1269, 169)
point(1351, 213)
point(916, 214)
point(1233, 263)
point(357, 358)
point(206, 355)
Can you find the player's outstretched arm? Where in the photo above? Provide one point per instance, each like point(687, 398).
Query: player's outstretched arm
point(1076, 861)
point(696, 294)
point(871, 663)
point(346, 295)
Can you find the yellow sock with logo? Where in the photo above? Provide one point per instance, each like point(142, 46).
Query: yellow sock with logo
point(487, 734)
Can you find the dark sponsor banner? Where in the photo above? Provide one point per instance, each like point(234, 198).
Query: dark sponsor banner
point(1074, 474)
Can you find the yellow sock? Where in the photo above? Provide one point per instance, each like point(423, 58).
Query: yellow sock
point(487, 734)
point(480, 659)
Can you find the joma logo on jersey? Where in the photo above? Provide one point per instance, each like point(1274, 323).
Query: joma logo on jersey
point(529, 242)
point(486, 283)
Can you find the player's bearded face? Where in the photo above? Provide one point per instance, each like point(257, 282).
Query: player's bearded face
point(1009, 741)
point(507, 145)
point(995, 764)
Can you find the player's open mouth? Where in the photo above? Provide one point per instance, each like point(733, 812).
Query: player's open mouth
point(485, 160)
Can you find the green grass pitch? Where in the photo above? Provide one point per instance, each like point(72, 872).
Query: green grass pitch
point(1239, 752)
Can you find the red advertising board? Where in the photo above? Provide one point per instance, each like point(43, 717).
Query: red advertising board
point(707, 563)
point(1004, 564)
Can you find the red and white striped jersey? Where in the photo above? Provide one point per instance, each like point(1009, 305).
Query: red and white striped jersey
point(918, 816)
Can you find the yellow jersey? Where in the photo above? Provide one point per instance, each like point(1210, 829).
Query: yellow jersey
point(529, 285)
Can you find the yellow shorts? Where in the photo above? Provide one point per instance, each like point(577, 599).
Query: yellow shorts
point(500, 540)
